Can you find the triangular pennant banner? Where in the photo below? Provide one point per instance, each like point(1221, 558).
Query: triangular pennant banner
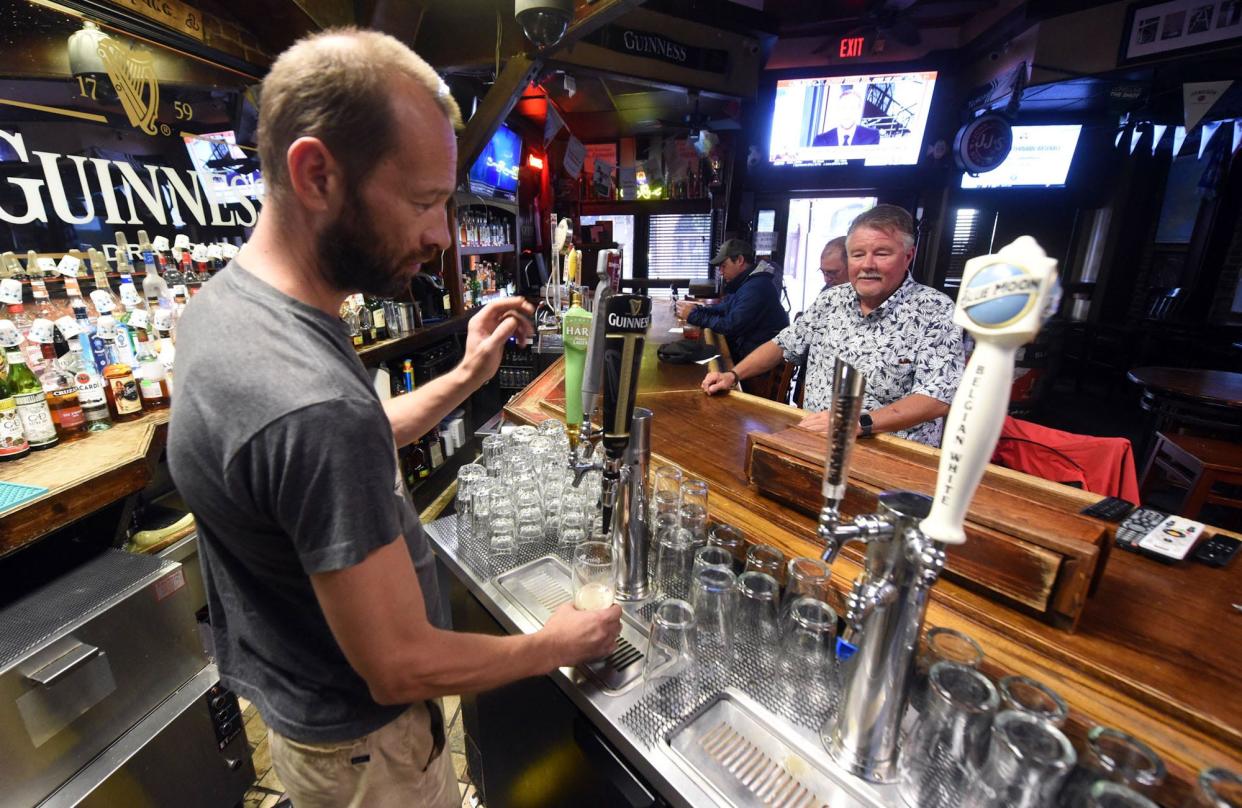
point(1135, 137)
point(1237, 136)
point(1205, 135)
point(1179, 137)
point(1157, 134)
point(1198, 97)
point(551, 125)
point(1120, 134)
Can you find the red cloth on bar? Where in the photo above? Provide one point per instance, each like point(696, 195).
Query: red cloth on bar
point(1099, 465)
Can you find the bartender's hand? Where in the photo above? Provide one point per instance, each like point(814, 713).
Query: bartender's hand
point(488, 332)
point(718, 382)
point(684, 307)
point(578, 636)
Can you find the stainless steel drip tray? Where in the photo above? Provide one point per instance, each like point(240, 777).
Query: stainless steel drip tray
point(734, 747)
point(542, 586)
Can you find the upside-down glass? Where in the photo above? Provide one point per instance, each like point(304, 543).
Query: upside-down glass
point(758, 629)
point(481, 508)
point(941, 645)
point(1105, 794)
point(941, 755)
point(573, 527)
point(765, 558)
point(554, 429)
point(808, 667)
point(670, 668)
point(1028, 761)
point(805, 578)
point(493, 448)
point(711, 557)
point(713, 594)
point(1217, 788)
point(674, 563)
point(466, 475)
point(503, 520)
point(1030, 696)
point(694, 511)
point(1117, 756)
point(594, 574)
point(529, 504)
point(729, 538)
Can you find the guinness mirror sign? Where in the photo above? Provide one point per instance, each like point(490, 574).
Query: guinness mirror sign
point(656, 46)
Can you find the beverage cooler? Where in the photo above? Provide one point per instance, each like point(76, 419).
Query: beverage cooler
point(108, 695)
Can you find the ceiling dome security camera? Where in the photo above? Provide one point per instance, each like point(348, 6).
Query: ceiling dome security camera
point(544, 21)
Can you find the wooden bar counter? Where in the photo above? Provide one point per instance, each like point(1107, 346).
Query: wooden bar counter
point(1157, 651)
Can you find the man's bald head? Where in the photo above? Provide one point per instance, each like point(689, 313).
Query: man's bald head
point(336, 86)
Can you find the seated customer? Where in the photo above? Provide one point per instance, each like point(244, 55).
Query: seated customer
point(751, 313)
point(833, 263)
point(899, 333)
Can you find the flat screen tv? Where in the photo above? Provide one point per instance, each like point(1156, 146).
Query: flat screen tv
point(1040, 158)
point(495, 173)
point(216, 158)
point(877, 118)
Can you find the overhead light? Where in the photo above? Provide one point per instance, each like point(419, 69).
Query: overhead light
point(544, 21)
point(535, 161)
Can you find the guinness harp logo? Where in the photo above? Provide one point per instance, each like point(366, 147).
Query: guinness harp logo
point(133, 76)
point(636, 306)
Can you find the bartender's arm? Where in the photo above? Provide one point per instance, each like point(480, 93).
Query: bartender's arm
point(376, 612)
point(903, 413)
point(413, 415)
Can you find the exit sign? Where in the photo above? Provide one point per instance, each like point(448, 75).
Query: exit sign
point(851, 47)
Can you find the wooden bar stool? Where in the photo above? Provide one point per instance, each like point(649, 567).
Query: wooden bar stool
point(1198, 464)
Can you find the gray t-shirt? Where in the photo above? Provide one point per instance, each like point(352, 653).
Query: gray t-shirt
point(280, 446)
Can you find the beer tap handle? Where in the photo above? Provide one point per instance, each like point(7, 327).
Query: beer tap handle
point(1003, 300)
point(593, 366)
point(848, 386)
point(627, 320)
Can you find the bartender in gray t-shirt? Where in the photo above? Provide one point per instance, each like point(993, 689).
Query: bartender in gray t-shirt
point(320, 581)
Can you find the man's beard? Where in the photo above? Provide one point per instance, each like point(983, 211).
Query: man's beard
point(354, 257)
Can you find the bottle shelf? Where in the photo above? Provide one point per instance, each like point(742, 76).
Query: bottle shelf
point(496, 250)
point(383, 350)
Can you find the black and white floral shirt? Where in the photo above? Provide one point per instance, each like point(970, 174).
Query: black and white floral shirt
point(907, 345)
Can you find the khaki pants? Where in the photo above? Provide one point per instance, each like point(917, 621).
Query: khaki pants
point(389, 768)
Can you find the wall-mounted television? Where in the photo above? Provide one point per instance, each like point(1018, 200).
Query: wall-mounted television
point(218, 160)
point(878, 118)
point(1040, 158)
point(495, 173)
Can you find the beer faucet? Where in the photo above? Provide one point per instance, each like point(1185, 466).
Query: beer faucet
point(1003, 301)
point(591, 375)
point(626, 440)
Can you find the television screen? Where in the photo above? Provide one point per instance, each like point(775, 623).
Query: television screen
point(216, 159)
point(878, 119)
point(1040, 158)
point(495, 173)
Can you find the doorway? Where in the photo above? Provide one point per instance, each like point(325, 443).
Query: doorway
point(812, 223)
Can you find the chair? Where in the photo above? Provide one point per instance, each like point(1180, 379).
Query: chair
point(1199, 465)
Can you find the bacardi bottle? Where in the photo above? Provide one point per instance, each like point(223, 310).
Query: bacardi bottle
point(90, 386)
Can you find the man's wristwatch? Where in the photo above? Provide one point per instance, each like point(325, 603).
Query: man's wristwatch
point(864, 421)
point(736, 378)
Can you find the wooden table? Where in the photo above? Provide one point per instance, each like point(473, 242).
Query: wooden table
point(1173, 397)
point(1158, 651)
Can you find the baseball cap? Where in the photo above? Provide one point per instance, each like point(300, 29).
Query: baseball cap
point(732, 247)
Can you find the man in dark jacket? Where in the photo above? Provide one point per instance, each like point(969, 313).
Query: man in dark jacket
point(751, 313)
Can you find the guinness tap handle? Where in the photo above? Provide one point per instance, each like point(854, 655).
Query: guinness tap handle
point(1003, 301)
point(627, 319)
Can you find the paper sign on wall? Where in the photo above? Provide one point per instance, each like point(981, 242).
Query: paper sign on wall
point(575, 153)
point(1198, 98)
point(551, 125)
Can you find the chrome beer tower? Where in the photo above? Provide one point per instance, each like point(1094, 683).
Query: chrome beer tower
point(626, 438)
point(1004, 299)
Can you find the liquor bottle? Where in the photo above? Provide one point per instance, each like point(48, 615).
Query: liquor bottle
point(407, 374)
point(59, 387)
point(44, 309)
point(379, 323)
point(31, 402)
point(151, 375)
point(120, 386)
point(90, 386)
point(13, 443)
point(153, 286)
point(22, 320)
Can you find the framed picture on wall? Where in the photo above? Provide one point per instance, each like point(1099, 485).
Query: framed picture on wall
point(1161, 28)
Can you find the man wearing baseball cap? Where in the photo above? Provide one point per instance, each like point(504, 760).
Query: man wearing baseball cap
point(751, 313)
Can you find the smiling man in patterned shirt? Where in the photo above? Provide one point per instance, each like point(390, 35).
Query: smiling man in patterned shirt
point(899, 333)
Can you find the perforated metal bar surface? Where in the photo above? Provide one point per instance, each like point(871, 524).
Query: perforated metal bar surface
point(50, 610)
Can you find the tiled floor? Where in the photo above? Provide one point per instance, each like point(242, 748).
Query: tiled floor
point(268, 792)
